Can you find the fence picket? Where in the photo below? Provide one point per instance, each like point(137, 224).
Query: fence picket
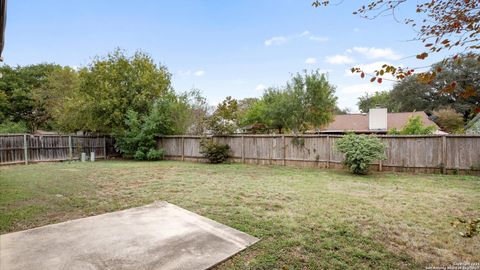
point(404, 153)
point(27, 148)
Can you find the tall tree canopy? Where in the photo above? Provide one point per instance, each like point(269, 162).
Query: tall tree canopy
point(96, 98)
point(224, 119)
point(198, 111)
point(112, 85)
point(411, 94)
point(306, 102)
point(17, 100)
point(380, 99)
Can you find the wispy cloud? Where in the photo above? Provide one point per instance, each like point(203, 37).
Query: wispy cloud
point(260, 87)
point(311, 61)
point(377, 53)
point(188, 72)
point(199, 73)
point(276, 41)
point(305, 33)
point(339, 59)
point(319, 39)
point(279, 40)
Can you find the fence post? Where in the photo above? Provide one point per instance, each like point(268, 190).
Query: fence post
point(25, 148)
point(183, 148)
point(328, 151)
point(444, 154)
point(380, 166)
point(104, 147)
point(284, 161)
point(70, 149)
point(243, 148)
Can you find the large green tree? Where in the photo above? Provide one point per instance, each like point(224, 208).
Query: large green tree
point(112, 85)
point(60, 89)
point(277, 109)
point(224, 119)
point(413, 94)
point(18, 103)
point(378, 99)
point(313, 99)
point(306, 102)
point(197, 111)
point(138, 138)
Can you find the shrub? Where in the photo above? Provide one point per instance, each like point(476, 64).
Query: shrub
point(138, 140)
point(214, 152)
point(360, 151)
point(13, 127)
point(155, 154)
point(414, 126)
point(449, 120)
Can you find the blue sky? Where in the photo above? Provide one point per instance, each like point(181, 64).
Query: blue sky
point(224, 48)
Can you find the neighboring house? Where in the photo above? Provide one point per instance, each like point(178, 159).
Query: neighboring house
point(473, 127)
point(376, 121)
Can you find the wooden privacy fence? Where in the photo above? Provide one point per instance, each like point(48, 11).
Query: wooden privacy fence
point(25, 148)
point(432, 153)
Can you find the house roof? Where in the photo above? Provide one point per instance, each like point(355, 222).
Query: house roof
point(359, 122)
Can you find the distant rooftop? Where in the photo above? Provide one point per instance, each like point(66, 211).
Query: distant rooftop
point(359, 122)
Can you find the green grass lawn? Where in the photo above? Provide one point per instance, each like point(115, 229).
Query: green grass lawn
point(306, 218)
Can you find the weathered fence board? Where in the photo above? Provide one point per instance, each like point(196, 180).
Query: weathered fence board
point(432, 153)
point(11, 149)
point(24, 148)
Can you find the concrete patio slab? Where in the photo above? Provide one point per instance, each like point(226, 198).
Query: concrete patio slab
point(155, 236)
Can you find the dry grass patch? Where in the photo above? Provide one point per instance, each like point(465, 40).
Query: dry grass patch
point(307, 218)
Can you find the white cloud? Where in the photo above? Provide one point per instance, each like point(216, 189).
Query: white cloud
point(339, 59)
point(377, 53)
point(279, 40)
point(199, 73)
point(275, 41)
point(260, 87)
point(319, 39)
point(305, 33)
point(311, 61)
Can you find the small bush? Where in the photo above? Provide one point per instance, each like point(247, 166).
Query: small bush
point(138, 141)
point(449, 120)
point(13, 127)
point(214, 152)
point(414, 126)
point(360, 151)
point(155, 154)
point(139, 155)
